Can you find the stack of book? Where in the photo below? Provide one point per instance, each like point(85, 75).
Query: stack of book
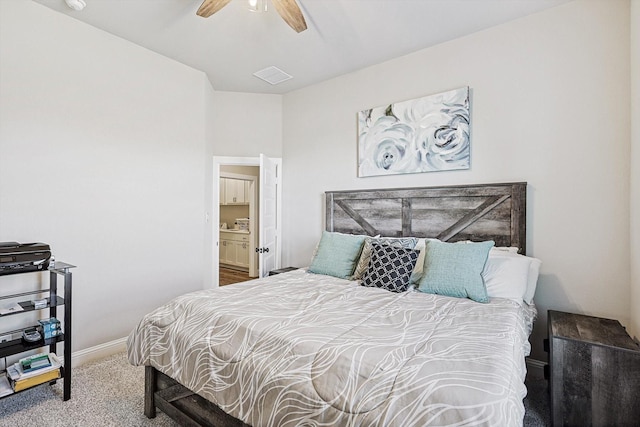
point(33, 370)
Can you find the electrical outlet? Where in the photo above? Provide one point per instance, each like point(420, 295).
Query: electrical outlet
point(5, 338)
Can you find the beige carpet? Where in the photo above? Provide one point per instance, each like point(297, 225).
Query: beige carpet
point(108, 392)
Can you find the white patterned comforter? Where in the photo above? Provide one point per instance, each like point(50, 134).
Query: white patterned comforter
point(305, 349)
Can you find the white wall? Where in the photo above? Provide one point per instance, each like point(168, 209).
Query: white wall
point(247, 124)
point(550, 106)
point(635, 168)
point(103, 156)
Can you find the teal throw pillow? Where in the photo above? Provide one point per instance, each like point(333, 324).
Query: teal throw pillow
point(337, 254)
point(455, 269)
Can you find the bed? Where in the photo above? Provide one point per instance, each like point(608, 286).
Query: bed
point(304, 348)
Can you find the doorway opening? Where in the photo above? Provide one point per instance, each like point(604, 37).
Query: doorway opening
point(239, 221)
point(246, 209)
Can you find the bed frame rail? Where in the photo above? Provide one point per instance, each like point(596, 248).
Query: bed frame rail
point(181, 404)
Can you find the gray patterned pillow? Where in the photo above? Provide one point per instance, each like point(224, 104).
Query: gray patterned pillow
point(397, 242)
point(390, 267)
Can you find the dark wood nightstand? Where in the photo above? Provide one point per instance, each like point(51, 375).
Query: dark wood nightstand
point(282, 270)
point(594, 372)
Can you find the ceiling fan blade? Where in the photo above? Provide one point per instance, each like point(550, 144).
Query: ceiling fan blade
point(209, 7)
point(291, 13)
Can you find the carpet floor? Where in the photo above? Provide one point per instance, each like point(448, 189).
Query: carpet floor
point(109, 392)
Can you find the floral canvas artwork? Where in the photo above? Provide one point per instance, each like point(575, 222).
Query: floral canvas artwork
point(421, 135)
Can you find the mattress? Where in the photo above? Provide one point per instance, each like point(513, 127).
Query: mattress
point(307, 349)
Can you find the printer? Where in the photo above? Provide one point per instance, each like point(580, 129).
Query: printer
point(23, 257)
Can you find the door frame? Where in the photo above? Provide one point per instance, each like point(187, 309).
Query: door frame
point(215, 209)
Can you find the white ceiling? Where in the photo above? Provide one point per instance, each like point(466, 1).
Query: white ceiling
point(342, 35)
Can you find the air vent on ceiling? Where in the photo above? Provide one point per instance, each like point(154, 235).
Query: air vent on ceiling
point(272, 75)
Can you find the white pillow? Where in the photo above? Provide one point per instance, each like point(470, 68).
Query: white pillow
point(532, 275)
point(506, 276)
point(508, 249)
point(532, 282)
point(500, 249)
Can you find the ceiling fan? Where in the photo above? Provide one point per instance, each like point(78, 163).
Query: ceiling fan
point(288, 10)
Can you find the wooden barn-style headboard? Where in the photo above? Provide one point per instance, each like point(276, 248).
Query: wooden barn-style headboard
point(468, 212)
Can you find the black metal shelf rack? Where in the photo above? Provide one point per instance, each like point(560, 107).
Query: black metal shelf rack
point(16, 346)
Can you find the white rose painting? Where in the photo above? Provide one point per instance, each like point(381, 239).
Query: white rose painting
point(421, 135)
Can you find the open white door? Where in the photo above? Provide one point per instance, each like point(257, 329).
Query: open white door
point(269, 249)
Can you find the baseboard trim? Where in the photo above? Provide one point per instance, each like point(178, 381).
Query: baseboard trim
point(535, 368)
point(97, 352)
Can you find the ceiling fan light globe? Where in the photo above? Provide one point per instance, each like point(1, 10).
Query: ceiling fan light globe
point(76, 4)
point(257, 5)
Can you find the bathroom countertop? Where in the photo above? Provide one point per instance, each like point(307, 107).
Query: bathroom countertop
point(230, 230)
